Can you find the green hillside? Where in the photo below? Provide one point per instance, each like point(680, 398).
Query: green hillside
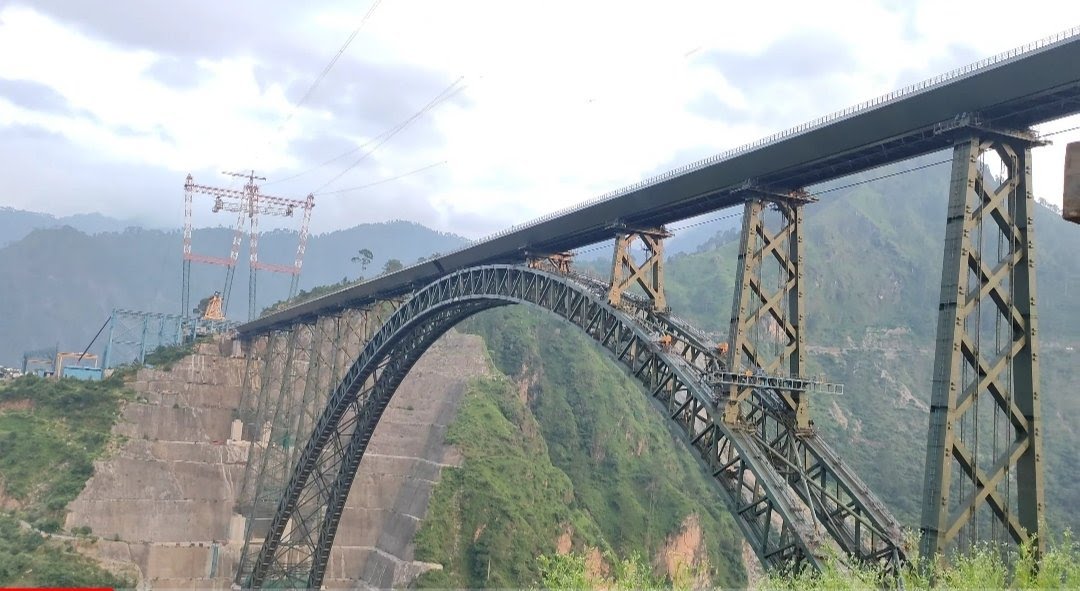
point(598, 460)
point(59, 285)
point(50, 433)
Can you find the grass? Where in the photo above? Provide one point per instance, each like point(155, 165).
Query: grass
point(980, 569)
point(50, 434)
point(30, 559)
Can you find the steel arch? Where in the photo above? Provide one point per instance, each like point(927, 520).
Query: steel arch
point(791, 497)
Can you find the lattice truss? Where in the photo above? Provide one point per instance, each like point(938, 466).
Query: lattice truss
point(297, 369)
point(767, 309)
point(790, 495)
point(983, 471)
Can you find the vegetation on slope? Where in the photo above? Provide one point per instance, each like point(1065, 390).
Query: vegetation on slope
point(978, 570)
point(628, 472)
point(50, 434)
point(488, 520)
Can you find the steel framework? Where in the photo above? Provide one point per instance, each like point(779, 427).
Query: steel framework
point(248, 203)
point(320, 351)
point(790, 495)
point(768, 303)
point(649, 275)
point(133, 334)
point(983, 460)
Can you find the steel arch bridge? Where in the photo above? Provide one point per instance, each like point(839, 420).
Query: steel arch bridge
point(744, 410)
point(788, 492)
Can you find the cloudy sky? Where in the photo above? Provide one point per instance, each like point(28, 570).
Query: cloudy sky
point(467, 116)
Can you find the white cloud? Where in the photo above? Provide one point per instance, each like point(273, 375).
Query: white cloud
point(564, 100)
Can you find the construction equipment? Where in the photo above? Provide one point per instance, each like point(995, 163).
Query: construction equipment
point(213, 309)
point(665, 342)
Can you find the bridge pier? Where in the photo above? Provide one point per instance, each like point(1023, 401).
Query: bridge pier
point(984, 430)
point(649, 275)
point(767, 307)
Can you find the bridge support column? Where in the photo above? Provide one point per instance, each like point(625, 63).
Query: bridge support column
point(767, 309)
point(626, 272)
point(984, 431)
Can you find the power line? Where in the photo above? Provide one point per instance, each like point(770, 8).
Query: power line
point(884, 176)
point(381, 138)
point(674, 228)
point(1061, 131)
point(446, 94)
point(386, 180)
point(330, 64)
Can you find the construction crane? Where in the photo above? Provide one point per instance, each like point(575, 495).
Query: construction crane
point(248, 203)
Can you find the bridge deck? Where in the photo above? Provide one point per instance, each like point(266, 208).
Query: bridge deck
point(1015, 90)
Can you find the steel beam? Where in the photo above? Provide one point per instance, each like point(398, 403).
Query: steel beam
point(649, 274)
point(983, 477)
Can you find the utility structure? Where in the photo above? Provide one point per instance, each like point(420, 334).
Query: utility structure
point(248, 203)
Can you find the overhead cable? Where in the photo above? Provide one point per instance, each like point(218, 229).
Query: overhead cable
point(386, 180)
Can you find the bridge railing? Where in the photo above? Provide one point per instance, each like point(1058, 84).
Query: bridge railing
point(907, 91)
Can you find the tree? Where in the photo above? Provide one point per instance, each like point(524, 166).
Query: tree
point(391, 266)
point(363, 256)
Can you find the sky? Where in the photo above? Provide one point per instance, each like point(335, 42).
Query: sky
point(465, 116)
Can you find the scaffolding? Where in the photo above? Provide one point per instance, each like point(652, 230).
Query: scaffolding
point(133, 335)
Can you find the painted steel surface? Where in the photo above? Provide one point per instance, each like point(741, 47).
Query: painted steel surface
point(789, 516)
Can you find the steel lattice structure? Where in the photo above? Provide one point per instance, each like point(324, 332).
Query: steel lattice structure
point(247, 203)
point(988, 356)
point(791, 515)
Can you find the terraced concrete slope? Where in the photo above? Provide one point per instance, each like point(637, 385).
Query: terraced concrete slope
point(165, 500)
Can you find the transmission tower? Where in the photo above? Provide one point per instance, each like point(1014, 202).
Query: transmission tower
point(248, 203)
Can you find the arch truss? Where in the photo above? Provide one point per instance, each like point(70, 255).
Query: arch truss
point(791, 496)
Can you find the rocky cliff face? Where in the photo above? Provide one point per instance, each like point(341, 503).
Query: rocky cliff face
point(164, 503)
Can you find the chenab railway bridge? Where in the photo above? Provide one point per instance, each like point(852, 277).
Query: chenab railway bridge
point(743, 405)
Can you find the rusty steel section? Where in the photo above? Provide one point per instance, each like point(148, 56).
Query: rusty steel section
point(626, 272)
point(558, 262)
point(1070, 199)
point(767, 310)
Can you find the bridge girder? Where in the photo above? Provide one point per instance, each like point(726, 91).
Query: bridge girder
point(791, 515)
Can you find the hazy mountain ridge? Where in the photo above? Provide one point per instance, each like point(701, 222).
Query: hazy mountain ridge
point(15, 224)
point(60, 284)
